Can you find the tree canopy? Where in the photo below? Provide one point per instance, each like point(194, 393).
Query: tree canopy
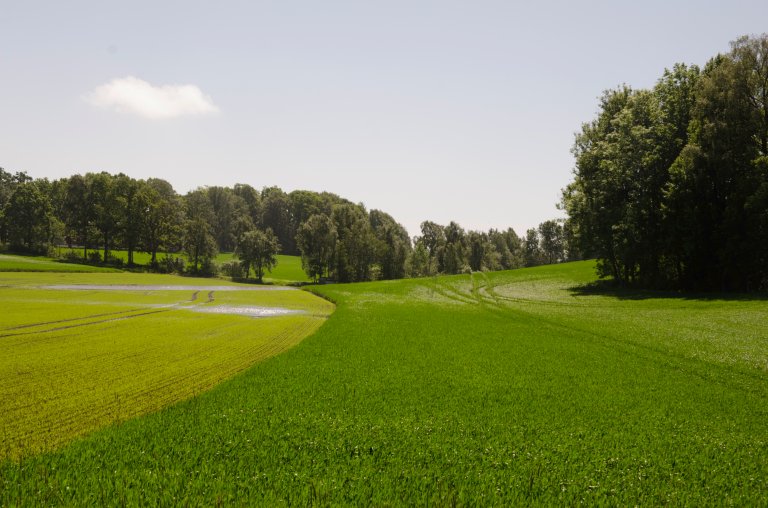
point(670, 187)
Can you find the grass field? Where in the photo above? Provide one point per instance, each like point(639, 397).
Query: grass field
point(76, 360)
point(9, 263)
point(527, 387)
point(288, 268)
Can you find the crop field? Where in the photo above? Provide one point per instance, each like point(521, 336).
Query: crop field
point(9, 263)
point(288, 268)
point(527, 387)
point(75, 360)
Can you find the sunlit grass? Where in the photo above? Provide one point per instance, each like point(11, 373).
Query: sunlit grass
point(11, 263)
point(288, 269)
point(76, 360)
point(511, 388)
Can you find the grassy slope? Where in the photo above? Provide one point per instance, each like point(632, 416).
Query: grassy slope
point(288, 268)
point(10, 263)
point(74, 361)
point(499, 389)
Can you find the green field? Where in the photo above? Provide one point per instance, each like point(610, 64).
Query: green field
point(77, 360)
point(9, 263)
point(510, 388)
point(288, 269)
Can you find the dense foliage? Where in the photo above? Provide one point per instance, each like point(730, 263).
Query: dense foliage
point(671, 184)
point(337, 239)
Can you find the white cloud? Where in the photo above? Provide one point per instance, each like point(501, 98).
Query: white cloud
point(137, 97)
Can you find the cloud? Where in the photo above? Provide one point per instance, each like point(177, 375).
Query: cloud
point(135, 96)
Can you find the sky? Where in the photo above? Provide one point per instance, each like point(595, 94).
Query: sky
point(428, 110)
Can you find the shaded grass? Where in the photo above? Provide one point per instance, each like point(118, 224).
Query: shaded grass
point(497, 389)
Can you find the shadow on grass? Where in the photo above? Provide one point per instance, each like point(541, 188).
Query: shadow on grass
point(611, 289)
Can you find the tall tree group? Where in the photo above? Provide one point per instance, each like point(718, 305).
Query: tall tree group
point(671, 184)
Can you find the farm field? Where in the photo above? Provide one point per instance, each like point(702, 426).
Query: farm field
point(523, 387)
point(75, 360)
point(288, 268)
point(9, 263)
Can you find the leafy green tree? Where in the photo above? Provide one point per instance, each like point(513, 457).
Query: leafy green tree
point(135, 197)
point(163, 220)
point(551, 241)
point(392, 244)
point(316, 240)
point(482, 253)
point(28, 218)
point(419, 262)
point(276, 215)
point(79, 211)
point(258, 250)
point(199, 243)
point(455, 251)
point(712, 206)
point(8, 184)
point(354, 244)
point(433, 239)
point(532, 255)
point(227, 208)
point(252, 199)
point(109, 206)
point(508, 246)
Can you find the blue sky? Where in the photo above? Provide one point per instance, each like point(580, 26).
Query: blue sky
point(442, 110)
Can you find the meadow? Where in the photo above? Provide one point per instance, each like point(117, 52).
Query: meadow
point(10, 263)
point(287, 271)
point(534, 386)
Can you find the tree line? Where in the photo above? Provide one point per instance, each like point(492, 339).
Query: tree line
point(670, 184)
point(338, 240)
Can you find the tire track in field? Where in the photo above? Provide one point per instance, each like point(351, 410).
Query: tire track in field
point(148, 399)
point(67, 320)
point(59, 328)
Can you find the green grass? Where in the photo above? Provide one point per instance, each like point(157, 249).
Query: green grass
point(76, 360)
point(288, 269)
point(511, 388)
point(12, 263)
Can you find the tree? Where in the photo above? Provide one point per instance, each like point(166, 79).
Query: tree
point(79, 210)
point(258, 249)
point(199, 243)
point(27, 217)
point(252, 199)
point(354, 244)
point(455, 250)
point(392, 244)
point(551, 241)
point(419, 262)
point(135, 197)
point(316, 241)
point(276, 215)
point(227, 208)
point(481, 252)
point(109, 207)
point(433, 239)
point(671, 184)
point(531, 250)
point(163, 220)
point(508, 246)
